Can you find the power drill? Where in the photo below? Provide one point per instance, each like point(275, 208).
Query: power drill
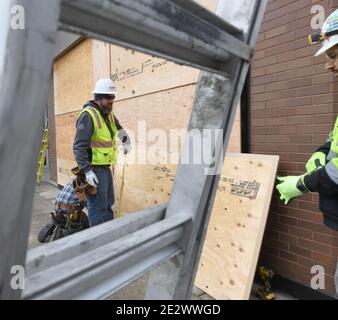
point(265, 293)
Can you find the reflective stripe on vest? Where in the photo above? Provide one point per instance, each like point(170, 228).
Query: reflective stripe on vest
point(98, 122)
point(101, 144)
point(331, 155)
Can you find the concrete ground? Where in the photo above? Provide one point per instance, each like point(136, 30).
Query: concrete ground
point(45, 194)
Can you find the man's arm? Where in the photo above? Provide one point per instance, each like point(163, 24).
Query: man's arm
point(117, 124)
point(326, 147)
point(324, 180)
point(81, 145)
point(319, 158)
point(122, 134)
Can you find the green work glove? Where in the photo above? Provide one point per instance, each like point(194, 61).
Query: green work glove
point(291, 187)
point(318, 159)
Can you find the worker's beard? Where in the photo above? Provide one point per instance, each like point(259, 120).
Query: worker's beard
point(107, 109)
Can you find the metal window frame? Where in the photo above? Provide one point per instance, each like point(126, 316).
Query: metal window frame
point(97, 262)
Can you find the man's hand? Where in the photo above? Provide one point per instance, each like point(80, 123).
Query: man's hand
point(318, 159)
point(92, 178)
point(291, 187)
point(126, 148)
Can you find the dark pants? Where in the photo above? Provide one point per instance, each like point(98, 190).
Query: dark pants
point(100, 205)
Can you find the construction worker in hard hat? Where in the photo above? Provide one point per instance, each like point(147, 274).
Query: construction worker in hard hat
point(322, 168)
point(95, 150)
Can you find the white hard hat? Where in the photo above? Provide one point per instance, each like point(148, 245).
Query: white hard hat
point(330, 24)
point(105, 86)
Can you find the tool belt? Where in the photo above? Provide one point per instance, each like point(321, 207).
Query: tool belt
point(81, 188)
point(69, 207)
point(69, 219)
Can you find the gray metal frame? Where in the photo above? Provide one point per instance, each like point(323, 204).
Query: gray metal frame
point(96, 262)
point(25, 81)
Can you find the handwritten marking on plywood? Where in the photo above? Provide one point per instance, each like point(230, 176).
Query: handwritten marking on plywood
point(236, 227)
point(138, 74)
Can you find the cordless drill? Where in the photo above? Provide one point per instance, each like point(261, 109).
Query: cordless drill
point(265, 293)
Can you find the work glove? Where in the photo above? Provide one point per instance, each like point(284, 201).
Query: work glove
point(291, 187)
point(92, 178)
point(318, 159)
point(126, 144)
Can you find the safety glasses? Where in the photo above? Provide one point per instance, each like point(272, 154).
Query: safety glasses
point(109, 96)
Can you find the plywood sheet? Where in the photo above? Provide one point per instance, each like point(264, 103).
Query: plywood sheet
point(65, 132)
point(211, 5)
point(63, 170)
point(137, 74)
point(73, 78)
point(236, 226)
point(101, 60)
point(166, 110)
point(146, 185)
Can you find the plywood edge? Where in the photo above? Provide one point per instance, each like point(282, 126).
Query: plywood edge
point(274, 164)
point(249, 156)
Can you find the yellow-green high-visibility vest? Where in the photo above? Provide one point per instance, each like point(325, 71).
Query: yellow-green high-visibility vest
point(334, 137)
point(102, 143)
point(333, 165)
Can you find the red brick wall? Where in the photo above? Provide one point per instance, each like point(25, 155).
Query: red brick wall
point(51, 131)
point(293, 108)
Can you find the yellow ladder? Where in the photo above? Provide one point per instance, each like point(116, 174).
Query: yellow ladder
point(42, 154)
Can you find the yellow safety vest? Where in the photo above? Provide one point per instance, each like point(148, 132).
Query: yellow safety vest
point(102, 143)
point(334, 145)
point(334, 137)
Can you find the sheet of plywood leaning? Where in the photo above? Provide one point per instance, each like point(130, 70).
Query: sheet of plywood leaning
point(231, 248)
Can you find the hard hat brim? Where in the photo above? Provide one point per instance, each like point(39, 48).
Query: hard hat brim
point(105, 92)
point(327, 44)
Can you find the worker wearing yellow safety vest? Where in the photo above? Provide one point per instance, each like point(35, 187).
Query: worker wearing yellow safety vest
point(322, 168)
point(95, 150)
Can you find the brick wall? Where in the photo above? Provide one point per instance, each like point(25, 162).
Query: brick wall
point(51, 131)
point(293, 108)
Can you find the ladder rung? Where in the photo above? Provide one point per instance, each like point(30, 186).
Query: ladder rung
point(205, 14)
point(111, 258)
point(176, 34)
